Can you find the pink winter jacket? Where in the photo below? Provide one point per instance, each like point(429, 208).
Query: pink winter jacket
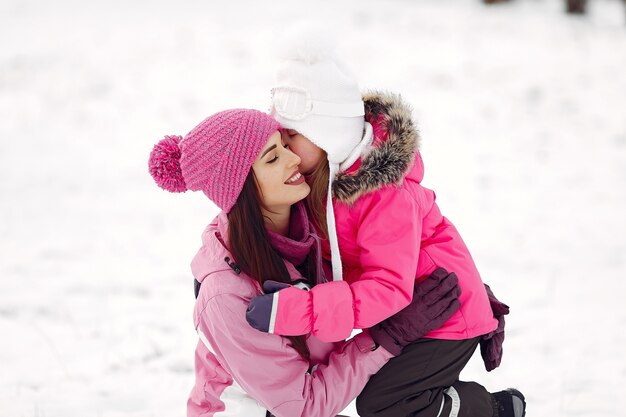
point(391, 233)
point(243, 372)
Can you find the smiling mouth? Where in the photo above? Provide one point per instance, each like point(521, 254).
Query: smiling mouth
point(294, 178)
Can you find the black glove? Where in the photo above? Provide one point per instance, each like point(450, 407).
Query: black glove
point(435, 300)
point(491, 343)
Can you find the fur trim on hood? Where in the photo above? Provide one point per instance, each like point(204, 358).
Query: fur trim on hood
point(395, 144)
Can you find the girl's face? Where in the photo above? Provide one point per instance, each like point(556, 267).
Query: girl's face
point(278, 179)
point(310, 155)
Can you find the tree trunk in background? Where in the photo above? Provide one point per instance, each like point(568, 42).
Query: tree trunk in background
point(576, 6)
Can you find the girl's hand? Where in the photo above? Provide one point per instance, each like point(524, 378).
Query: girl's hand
point(262, 310)
point(491, 343)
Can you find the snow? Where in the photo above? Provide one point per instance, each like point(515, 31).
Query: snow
point(522, 113)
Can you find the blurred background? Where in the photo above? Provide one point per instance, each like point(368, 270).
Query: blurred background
point(522, 111)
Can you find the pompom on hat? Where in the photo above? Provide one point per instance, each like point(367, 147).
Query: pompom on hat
point(215, 157)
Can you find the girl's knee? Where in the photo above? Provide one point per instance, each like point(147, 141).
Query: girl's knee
point(365, 407)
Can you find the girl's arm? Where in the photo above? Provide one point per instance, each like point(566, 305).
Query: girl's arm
point(388, 238)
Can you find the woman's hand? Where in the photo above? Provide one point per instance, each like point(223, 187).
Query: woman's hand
point(435, 300)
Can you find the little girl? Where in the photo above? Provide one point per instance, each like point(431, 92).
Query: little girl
point(388, 231)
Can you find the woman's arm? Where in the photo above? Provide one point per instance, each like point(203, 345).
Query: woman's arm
point(275, 374)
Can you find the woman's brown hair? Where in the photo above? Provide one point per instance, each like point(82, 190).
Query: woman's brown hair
point(316, 200)
point(252, 251)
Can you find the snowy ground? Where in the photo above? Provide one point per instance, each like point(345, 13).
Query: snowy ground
point(522, 110)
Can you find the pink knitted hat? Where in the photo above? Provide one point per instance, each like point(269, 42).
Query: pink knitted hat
point(215, 157)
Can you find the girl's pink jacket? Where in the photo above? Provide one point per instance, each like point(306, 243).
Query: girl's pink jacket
point(243, 372)
point(391, 233)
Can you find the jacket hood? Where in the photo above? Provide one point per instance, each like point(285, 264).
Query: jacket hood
point(211, 256)
point(392, 153)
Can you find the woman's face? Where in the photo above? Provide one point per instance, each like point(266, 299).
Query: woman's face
point(279, 181)
point(310, 155)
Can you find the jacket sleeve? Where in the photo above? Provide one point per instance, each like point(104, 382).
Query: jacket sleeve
point(275, 375)
point(388, 236)
point(389, 228)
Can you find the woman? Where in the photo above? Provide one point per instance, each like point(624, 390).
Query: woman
point(263, 236)
point(361, 158)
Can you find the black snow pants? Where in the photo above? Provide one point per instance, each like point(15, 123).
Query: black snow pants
point(424, 381)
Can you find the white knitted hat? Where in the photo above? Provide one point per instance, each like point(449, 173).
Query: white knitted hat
point(317, 95)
